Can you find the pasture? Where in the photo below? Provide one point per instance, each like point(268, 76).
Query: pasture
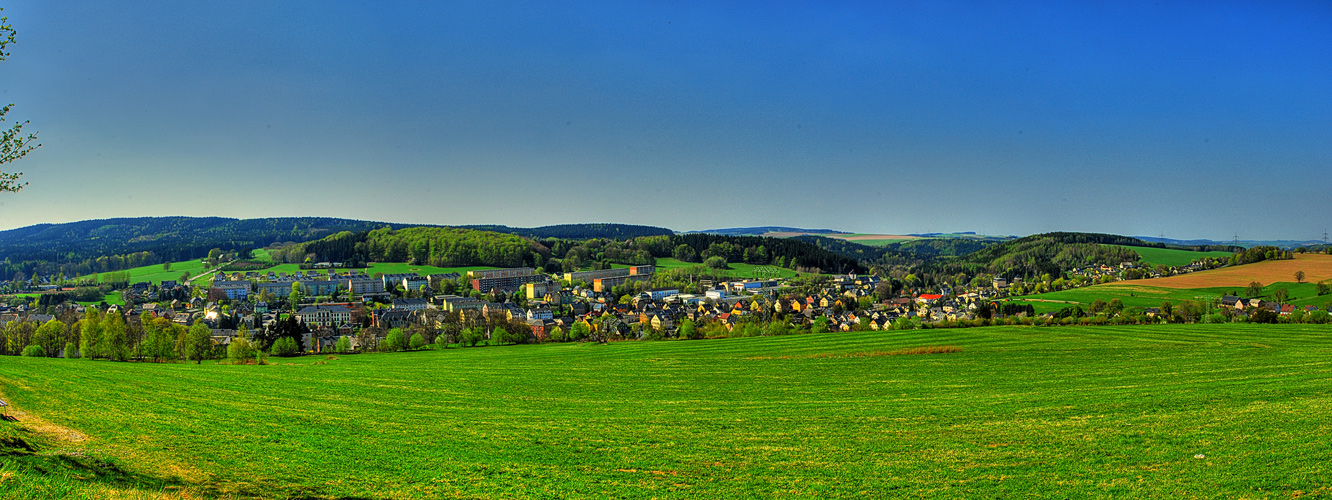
point(1301, 294)
point(1172, 257)
point(1217, 411)
point(156, 273)
point(736, 269)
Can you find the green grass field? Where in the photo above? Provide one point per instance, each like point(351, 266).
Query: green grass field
point(156, 274)
point(1172, 257)
point(743, 271)
point(1214, 411)
point(1301, 294)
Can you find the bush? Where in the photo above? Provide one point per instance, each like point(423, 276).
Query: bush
point(71, 351)
point(241, 350)
point(286, 347)
point(34, 351)
point(471, 337)
point(558, 335)
point(442, 341)
point(343, 346)
point(395, 341)
point(716, 263)
point(417, 342)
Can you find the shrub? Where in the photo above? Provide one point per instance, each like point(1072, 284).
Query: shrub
point(417, 341)
point(34, 351)
point(343, 346)
point(71, 351)
point(241, 350)
point(558, 335)
point(285, 347)
point(394, 341)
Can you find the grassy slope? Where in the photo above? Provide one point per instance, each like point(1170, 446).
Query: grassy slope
point(1144, 296)
point(1172, 257)
point(155, 274)
point(737, 270)
point(1063, 412)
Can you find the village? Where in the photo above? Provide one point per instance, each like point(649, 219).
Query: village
point(330, 308)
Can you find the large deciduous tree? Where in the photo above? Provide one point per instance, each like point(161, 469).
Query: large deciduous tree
point(14, 144)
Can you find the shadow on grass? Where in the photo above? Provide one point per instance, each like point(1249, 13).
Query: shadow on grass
point(27, 452)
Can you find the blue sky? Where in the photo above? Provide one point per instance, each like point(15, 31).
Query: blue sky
point(1194, 119)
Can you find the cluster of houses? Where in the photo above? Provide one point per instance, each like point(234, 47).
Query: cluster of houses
point(1242, 307)
point(353, 300)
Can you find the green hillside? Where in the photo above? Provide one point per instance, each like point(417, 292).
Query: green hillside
point(736, 269)
point(1300, 294)
point(1172, 257)
point(1229, 411)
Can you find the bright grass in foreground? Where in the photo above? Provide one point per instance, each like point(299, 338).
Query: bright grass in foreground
point(1011, 412)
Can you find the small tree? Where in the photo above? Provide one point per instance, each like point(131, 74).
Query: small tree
point(715, 262)
point(499, 336)
point(688, 329)
point(285, 347)
point(1281, 294)
point(1299, 276)
point(199, 343)
point(442, 342)
point(395, 340)
point(241, 349)
point(821, 325)
point(417, 342)
point(1255, 289)
point(343, 346)
point(557, 335)
point(34, 351)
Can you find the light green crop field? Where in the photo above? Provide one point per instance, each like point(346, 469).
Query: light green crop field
point(382, 267)
point(156, 274)
point(1172, 257)
point(1212, 411)
point(1301, 294)
point(737, 270)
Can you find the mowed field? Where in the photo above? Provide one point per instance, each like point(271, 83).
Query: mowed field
point(156, 274)
point(1317, 267)
point(737, 269)
point(1172, 257)
point(1212, 411)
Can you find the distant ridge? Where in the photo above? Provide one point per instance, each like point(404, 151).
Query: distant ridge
point(1287, 244)
point(761, 230)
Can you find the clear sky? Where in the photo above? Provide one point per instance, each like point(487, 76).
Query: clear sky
point(1192, 119)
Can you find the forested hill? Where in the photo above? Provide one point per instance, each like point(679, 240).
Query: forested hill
point(92, 246)
point(1050, 253)
point(578, 231)
point(435, 246)
point(78, 248)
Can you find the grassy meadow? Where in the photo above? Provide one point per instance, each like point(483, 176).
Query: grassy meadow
point(1172, 257)
point(1214, 411)
point(737, 270)
point(1301, 294)
point(156, 274)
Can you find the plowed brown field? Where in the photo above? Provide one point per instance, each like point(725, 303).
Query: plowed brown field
point(1316, 267)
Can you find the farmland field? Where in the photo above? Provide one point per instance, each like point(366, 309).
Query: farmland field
point(1317, 267)
point(155, 274)
point(1172, 257)
point(737, 270)
point(1301, 294)
point(1173, 411)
